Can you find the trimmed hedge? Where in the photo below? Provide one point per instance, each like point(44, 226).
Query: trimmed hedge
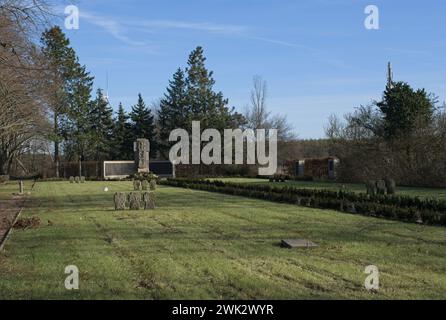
point(402, 208)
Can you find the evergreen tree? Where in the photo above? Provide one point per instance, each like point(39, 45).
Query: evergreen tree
point(404, 110)
point(101, 126)
point(173, 112)
point(143, 125)
point(76, 128)
point(61, 60)
point(122, 137)
point(207, 106)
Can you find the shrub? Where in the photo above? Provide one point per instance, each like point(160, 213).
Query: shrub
point(403, 208)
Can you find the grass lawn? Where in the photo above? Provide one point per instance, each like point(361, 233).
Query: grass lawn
point(439, 193)
point(199, 245)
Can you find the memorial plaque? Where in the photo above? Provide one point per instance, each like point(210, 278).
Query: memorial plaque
point(298, 243)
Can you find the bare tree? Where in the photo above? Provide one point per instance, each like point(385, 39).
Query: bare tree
point(258, 116)
point(23, 107)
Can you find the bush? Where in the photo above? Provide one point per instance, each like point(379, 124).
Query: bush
point(403, 208)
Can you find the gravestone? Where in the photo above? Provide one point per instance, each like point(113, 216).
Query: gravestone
point(391, 186)
point(298, 243)
point(135, 201)
point(136, 185)
point(381, 187)
point(153, 185)
point(371, 187)
point(142, 150)
point(82, 179)
point(145, 185)
point(120, 200)
point(77, 179)
point(149, 200)
point(71, 179)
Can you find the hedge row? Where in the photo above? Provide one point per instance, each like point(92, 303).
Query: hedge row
point(402, 208)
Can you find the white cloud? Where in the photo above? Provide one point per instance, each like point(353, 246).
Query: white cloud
point(204, 26)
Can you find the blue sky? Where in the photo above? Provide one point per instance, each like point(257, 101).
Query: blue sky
point(316, 55)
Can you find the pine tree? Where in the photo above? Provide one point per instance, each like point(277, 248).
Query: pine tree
point(61, 62)
point(76, 128)
point(143, 125)
point(207, 106)
point(101, 126)
point(405, 110)
point(122, 138)
point(173, 112)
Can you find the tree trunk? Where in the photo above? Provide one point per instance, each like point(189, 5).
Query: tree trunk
point(56, 145)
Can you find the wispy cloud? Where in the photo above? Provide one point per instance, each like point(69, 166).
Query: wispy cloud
point(114, 28)
point(204, 26)
point(283, 43)
point(119, 28)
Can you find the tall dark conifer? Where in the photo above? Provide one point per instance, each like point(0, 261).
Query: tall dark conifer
point(65, 79)
point(173, 112)
point(205, 104)
point(143, 125)
point(101, 126)
point(122, 137)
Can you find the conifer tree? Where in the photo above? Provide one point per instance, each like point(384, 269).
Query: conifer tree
point(143, 125)
point(404, 110)
point(173, 112)
point(205, 104)
point(122, 138)
point(101, 126)
point(63, 72)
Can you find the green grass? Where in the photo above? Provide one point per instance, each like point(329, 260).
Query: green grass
point(199, 245)
point(439, 193)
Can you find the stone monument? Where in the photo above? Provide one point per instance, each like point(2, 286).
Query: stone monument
point(149, 200)
point(136, 185)
point(135, 200)
point(120, 200)
point(142, 150)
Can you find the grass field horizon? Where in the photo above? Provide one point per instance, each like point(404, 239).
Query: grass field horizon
point(200, 245)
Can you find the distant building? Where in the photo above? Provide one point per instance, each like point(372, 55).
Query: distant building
point(320, 168)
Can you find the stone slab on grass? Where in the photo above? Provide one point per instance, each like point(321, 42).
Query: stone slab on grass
point(298, 243)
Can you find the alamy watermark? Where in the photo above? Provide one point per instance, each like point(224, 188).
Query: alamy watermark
point(372, 281)
point(371, 22)
point(72, 19)
point(72, 281)
point(234, 140)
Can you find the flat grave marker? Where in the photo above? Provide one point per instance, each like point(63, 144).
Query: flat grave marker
point(298, 243)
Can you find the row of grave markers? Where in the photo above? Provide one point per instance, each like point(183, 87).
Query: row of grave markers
point(136, 200)
point(77, 179)
point(144, 185)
